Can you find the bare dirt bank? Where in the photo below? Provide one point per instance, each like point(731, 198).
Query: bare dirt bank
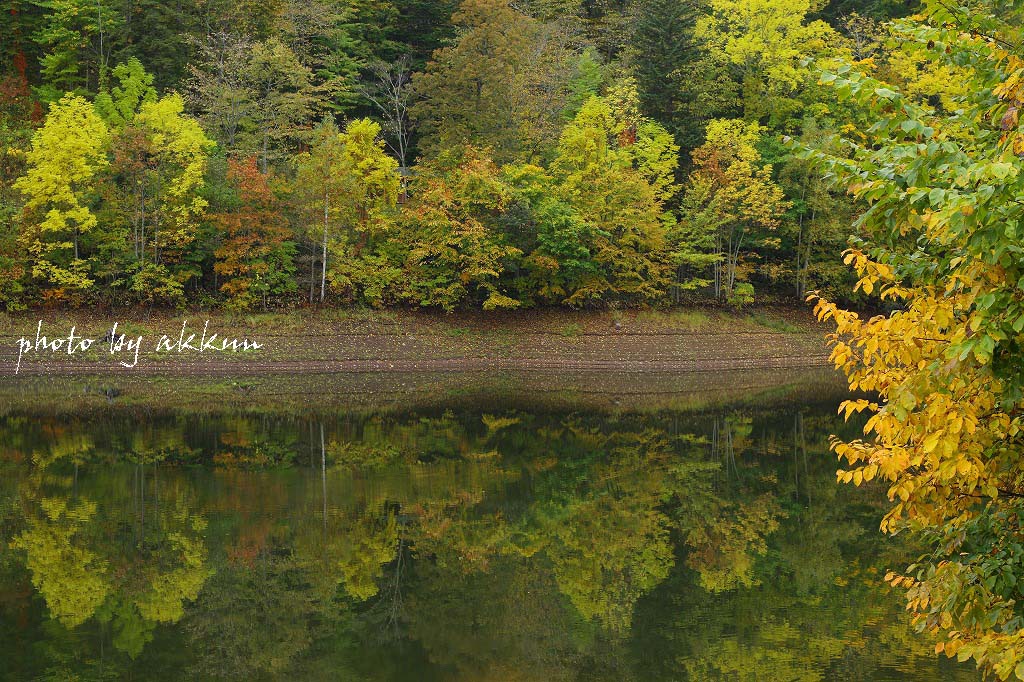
point(368, 360)
point(371, 341)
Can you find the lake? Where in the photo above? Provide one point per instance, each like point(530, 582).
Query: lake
point(465, 540)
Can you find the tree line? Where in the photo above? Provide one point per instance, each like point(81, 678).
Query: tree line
point(436, 154)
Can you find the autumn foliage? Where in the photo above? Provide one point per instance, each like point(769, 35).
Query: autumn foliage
point(942, 375)
point(254, 256)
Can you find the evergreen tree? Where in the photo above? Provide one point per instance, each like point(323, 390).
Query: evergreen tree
point(662, 51)
point(77, 38)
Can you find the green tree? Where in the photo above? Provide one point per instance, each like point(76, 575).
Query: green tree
point(369, 197)
point(420, 27)
point(503, 85)
point(160, 162)
point(319, 181)
point(119, 104)
point(283, 98)
point(615, 172)
point(555, 240)
point(324, 36)
point(372, 180)
point(218, 90)
point(817, 226)
point(255, 97)
point(78, 38)
point(662, 50)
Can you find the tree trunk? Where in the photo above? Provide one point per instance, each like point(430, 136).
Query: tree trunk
point(312, 269)
point(141, 244)
point(263, 157)
point(799, 257)
point(323, 269)
point(718, 265)
point(733, 259)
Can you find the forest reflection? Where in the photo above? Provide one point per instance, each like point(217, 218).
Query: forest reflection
point(448, 545)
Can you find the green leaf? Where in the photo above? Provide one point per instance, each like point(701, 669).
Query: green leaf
point(1001, 170)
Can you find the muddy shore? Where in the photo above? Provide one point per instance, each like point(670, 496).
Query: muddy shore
point(373, 341)
point(372, 360)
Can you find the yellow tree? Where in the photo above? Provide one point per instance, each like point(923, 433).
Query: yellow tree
point(319, 179)
point(615, 169)
point(177, 162)
point(457, 255)
point(67, 153)
point(160, 158)
point(731, 194)
point(346, 183)
point(943, 374)
point(764, 42)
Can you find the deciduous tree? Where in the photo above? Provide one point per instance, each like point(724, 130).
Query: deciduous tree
point(348, 182)
point(763, 42)
point(732, 194)
point(255, 97)
point(17, 122)
point(614, 170)
point(502, 85)
point(254, 255)
point(389, 89)
point(58, 187)
point(457, 254)
point(119, 104)
point(161, 159)
point(940, 243)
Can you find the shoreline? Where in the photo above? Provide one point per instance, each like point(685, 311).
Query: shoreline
point(339, 342)
point(372, 360)
point(357, 392)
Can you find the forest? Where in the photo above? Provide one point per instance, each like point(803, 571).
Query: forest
point(435, 154)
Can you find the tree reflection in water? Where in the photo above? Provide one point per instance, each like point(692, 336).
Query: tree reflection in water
point(450, 545)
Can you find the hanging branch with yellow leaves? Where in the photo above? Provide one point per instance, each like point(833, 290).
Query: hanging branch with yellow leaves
point(940, 243)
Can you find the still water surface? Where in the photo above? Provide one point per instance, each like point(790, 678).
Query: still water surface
point(460, 544)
